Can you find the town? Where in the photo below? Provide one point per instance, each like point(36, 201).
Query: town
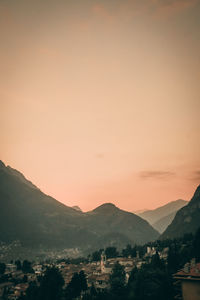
point(98, 268)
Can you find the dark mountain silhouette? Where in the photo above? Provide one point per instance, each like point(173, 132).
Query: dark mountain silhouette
point(36, 219)
point(187, 219)
point(162, 216)
point(31, 216)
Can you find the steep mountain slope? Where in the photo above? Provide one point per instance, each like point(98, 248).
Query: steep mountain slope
point(162, 223)
point(187, 219)
point(32, 217)
point(153, 216)
point(36, 219)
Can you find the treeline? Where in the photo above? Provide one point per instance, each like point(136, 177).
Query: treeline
point(25, 267)
point(50, 286)
point(183, 249)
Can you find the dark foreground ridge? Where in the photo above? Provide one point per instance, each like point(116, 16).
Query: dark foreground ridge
point(186, 219)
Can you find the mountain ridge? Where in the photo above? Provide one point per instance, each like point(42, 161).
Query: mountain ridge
point(162, 216)
point(39, 220)
point(186, 219)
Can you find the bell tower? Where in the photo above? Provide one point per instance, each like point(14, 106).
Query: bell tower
point(103, 262)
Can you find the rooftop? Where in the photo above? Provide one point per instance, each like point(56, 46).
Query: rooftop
point(191, 271)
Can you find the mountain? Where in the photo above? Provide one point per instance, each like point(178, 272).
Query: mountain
point(40, 221)
point(120, 222)
point(187, 219)
point(162, 216)
point(28, 215)
point(162, 223)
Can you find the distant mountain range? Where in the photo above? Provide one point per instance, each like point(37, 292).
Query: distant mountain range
point(187, 219)
point(39, 221)
point(162, 216)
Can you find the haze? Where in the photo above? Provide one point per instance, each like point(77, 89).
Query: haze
point(100, 100)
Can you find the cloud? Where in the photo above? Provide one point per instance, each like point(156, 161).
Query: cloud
point(171, 7)
point(100, 10)
point(100, 155)
point(163, 175)
point(160, 9)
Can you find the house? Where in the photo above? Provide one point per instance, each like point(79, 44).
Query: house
point(189, 278)
point(38, 269)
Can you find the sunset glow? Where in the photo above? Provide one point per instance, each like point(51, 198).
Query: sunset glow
point(100, 100)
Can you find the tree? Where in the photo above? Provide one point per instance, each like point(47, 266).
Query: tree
point(73, 289)
point(134, 252)
point(127, 251)
point(173, 259)
point(132, 276)
point(32, 292)
point(156, 262)
point(77, 285)
point(96, 256)
point(117, 280)
point(150, 284)
point(93, 291)
point(83, 281)
point(51, 285)
point(111, 252)
point(26, 267)
point(5, 293)
point(18, 264)
point(25, 278)
point(196, 245)
point(2, 268)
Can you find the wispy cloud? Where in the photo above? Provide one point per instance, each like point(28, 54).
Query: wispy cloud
point(167, 8)
point(101, 10)
point(99, 155)
point(153, 8)
point(163, 175)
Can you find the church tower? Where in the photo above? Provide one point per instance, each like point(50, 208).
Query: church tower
point(103, 262)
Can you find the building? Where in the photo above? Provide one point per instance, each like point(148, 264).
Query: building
point(106, 268)
point(189, 277)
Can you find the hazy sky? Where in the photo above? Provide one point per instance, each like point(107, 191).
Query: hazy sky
point(100, 100)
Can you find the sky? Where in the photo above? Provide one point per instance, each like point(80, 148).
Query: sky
point(100, 99)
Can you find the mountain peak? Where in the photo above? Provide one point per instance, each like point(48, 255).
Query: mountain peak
point(106, 207)
point(39, 221)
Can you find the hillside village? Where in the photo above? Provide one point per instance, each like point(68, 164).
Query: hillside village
point(44, 238)
point(97, 273)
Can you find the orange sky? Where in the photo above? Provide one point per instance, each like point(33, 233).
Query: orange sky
point(100, 100)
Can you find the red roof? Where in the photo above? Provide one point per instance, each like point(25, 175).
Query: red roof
point(189, 272)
